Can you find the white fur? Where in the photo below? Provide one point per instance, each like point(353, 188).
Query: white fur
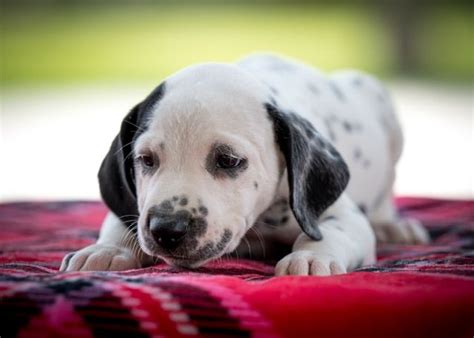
point(213, 102)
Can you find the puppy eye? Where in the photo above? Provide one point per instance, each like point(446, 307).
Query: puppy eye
point(227, 161)
point(147, 161)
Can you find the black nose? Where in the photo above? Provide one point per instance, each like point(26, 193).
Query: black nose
point(169, 230)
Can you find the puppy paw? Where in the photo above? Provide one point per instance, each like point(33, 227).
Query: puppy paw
point(99, 257)
point(309, 263)
point(403, 231)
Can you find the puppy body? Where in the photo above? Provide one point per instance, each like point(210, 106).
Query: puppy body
point(291, 136)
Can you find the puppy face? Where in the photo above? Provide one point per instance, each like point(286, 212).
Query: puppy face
point(205, 167)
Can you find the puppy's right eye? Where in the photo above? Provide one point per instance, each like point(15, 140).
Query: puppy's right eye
point(147, 161)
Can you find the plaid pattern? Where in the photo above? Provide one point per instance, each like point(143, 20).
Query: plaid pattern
point(423, 290)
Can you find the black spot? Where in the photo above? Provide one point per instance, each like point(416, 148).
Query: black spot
point(211, 249)
point(166, 206)
point(362, 208)
point(184, 201)
point(347, 126)
point(380, 197)
point(175, 198)
point(337, 91)
point(194, 211)
point(198, 227)
point(313, 88)
point(270, 221)
point(357, 153)
point(162, 145)
point(328, 121)
point(357, 81)
point(284, 219)
point(203, 210)
point(255, 184)
point(383, 122)
point(332, 135)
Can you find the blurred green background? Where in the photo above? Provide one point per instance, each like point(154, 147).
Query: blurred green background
point(75, 42)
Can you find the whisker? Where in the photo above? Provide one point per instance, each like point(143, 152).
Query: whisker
point(133, 124)
point(129, 239)
point(128, 236)
point(260, 240)
point(248, 246)
point(121, 148)
point(126, 157)
point(237, 254)
point(129, 223)
point(129, 215)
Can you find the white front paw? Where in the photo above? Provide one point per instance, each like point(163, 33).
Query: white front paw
point(403, 231)
point(309, 263)
point(100, 257)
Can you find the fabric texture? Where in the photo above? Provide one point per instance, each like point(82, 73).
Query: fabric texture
point(412, 291)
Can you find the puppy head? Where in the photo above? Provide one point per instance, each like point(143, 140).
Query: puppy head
point(196, 161)
point(201, 158)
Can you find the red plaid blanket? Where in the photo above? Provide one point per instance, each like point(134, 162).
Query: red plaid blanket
point(411, 291)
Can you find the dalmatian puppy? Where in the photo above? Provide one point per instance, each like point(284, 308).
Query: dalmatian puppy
point(251, 159)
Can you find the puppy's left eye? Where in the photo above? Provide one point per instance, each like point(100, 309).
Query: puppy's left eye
point(224, 161)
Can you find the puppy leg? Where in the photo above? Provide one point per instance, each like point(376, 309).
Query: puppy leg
point(116, 249)
point(348, 242)
point(390, 228)
point(387, 224)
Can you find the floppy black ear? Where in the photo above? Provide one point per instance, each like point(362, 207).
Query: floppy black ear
point(116, 174)
point(317, 174)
